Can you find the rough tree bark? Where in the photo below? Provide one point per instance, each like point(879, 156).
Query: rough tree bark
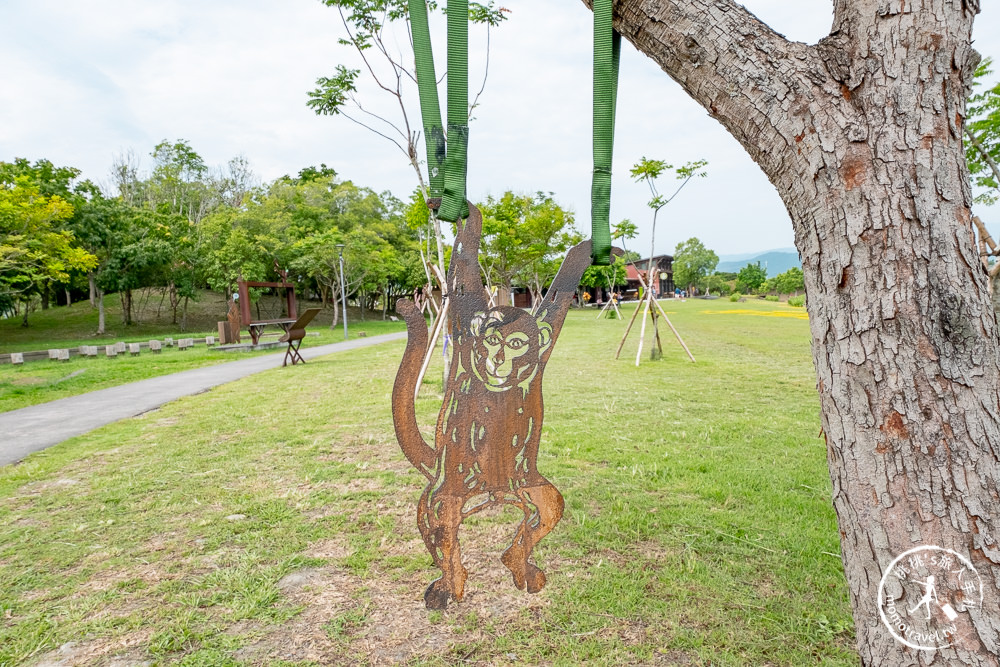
point(861, 135)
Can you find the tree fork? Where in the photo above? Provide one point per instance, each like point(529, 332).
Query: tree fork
point(861, 135)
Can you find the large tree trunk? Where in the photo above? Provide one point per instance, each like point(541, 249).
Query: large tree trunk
point(174, 302)
point(861, 136)
point(335, 300)
point(100, 312)
point(125, 296)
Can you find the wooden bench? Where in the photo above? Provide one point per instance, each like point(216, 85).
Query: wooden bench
point(294, 335)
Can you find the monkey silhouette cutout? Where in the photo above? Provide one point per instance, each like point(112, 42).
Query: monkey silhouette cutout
point(490, 423)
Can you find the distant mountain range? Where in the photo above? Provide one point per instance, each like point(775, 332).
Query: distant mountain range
point(775, 261)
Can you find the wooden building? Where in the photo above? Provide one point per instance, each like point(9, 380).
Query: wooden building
point(663, 276)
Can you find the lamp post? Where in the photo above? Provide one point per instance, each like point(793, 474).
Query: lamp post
point(343, 289)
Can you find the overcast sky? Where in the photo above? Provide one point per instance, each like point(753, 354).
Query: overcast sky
point(84, 81)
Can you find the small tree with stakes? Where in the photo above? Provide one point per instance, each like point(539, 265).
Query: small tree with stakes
point(649, 170)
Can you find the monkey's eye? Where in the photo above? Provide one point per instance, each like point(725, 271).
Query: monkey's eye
point(516, 343)
point(493, 339)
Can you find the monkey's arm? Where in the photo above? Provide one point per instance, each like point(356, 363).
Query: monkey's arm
point(553, 307)
point(465, 282)
point(465, 274)
point(404, 416)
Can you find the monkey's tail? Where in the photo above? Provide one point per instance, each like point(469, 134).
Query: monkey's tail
point(404, 416)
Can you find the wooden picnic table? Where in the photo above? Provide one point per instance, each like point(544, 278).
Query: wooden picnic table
point(257, 328)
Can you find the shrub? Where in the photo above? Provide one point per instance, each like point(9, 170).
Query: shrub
point(772, 297)
point(797, 301)
point(752, 276)
point(789, 281)
point(735, 296)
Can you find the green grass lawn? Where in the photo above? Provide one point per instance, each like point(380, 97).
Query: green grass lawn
point(69, 327)
point(271, 521)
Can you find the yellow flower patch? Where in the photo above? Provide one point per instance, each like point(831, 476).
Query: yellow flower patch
point(799, 315)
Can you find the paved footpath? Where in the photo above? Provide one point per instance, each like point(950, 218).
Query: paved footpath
point(36, 427)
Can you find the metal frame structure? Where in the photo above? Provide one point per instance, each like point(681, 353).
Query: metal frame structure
point(296, 332)
point(255, 327)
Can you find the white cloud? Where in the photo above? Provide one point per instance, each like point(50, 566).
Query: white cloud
point(84, 81)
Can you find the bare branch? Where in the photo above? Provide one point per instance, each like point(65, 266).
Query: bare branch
point(677, 191)
point(486, 73)
point(361, 52)
point(983, 153)
point(409, 37)
point(374, 115)
point(984, 236)
point(384, 136)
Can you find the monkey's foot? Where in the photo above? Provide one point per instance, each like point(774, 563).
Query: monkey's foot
point(534, 578)
point(437, 594)
point(514, 560)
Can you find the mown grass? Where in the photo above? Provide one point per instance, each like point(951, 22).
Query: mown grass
point(69, 327)
point(223, 530)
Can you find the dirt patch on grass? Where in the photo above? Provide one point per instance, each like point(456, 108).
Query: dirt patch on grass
point(382, 619)
point(34, 594)
point(295, 583)
point(38, 488)
point(123, 651)
point(671, 658)
point(150, 574)
point(364, 484)
point(654, 550)
point(28, 522)
point(27, 381)
point(332, 548)
point(377, 451)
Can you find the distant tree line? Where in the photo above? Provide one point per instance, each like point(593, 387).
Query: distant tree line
point(181, 226)
point(694, 271)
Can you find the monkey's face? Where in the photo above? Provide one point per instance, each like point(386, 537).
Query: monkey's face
point(506, 345)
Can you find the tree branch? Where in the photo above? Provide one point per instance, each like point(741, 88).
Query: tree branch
point(369, 127)
point(974, 140)
point(361, 52)
point(374, 115)
point(486, 74)
point(676, 192)
point(741, 71)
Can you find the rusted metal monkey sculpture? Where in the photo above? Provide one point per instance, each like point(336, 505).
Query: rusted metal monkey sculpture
point(486, 441)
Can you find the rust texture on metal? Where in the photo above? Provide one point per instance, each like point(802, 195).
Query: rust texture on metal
point(256, 327)
point(294, 335)
point(488, 430)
